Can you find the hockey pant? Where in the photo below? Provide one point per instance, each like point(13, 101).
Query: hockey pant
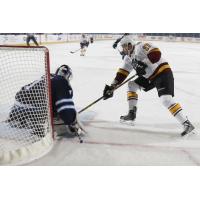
point(166, 99)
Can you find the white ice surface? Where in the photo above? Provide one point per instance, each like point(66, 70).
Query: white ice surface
point(155, 139)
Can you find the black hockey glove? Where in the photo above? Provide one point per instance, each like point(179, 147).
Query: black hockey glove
point(139, 67)
point(108, 92)
point(73, 128)
point(76, 128)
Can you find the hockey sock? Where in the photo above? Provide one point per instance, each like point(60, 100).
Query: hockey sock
point(132, 98)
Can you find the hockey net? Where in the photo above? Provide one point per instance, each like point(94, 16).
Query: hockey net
point(25, 124)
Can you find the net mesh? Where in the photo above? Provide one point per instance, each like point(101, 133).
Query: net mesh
point(25, 115)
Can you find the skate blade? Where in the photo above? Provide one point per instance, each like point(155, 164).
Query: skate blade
point(130, 122)
point(193, 132)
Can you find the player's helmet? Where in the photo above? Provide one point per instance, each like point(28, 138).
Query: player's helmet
point(127, 41)
point(127, 45)
point(65, 71)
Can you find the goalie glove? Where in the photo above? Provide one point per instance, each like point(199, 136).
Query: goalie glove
point(77, 126)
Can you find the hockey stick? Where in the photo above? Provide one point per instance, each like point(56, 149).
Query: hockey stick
point(75, 50)
point(77, 134)
point(103, 96)
point(79, 137)
point(118, 40)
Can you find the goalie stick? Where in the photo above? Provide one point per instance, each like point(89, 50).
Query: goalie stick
point(66, 131)
point(79, 137)
point(80, 126)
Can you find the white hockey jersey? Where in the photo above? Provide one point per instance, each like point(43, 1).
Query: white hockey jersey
point(140, 53)
point(84, 39)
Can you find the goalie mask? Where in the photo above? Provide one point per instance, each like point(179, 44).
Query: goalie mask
point(127, 45)
point(65, 71)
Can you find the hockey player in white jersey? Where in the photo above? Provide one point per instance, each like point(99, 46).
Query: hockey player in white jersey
point(153, 72)
point(84, 43)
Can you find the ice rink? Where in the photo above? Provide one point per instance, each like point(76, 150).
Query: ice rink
point(155, 139)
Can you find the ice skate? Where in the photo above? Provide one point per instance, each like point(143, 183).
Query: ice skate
point(188, 128)
point(129, 118)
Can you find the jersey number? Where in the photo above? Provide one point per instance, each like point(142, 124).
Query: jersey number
point(146, 46)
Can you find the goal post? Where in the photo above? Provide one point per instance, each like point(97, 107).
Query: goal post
point(26, 122)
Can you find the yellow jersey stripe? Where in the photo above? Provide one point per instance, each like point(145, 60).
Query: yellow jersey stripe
point(124, 72)
point(160, 70)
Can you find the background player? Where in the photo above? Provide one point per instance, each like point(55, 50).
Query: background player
point(30, 36)
point(84, 43)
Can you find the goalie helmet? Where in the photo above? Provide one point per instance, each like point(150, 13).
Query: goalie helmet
point(65, 71)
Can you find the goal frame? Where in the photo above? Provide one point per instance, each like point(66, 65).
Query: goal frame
point(47, 69)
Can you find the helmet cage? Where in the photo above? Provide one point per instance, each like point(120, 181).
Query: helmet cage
point(127, 45)
point(65, 71)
